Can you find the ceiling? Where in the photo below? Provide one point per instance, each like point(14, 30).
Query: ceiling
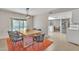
point(61, 13)
point(37, 11)
point(32, 11)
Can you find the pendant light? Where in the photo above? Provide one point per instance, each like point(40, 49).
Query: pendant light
point(27, 15)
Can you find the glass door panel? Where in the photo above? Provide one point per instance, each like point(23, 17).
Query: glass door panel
point(15, 25)
point(25, 25)
point(21, 25)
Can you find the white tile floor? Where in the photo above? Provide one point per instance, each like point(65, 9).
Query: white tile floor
point(60, 43)
point(3, 45)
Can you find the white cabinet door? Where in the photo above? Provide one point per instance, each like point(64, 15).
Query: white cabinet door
point(73, 36)
point(75, 16)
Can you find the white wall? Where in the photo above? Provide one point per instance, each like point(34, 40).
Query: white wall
point(5, 19)
point(56, 22)
point(62, 15)
point(30, 23)
point(41, 22)
point(75, 16)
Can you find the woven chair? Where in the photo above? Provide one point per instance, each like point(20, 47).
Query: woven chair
point(15, 36)
point(39, 29)
point(39, 38)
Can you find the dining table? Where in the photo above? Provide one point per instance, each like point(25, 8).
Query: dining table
point(28, 36)
point(30, 32)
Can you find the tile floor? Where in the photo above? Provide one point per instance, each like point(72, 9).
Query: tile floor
point(60, 43)
point(3, 45)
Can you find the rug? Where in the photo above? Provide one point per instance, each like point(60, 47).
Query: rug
point(35, 47)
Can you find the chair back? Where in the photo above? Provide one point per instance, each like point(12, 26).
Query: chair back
point(40, 38)
point(39, 29)
point(34, 29)
point(27, 30)
point(37, 38)
point(14, 35)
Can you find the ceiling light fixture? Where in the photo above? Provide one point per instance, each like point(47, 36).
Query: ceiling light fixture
point(27, 15)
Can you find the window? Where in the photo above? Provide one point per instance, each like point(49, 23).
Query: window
point(25, 25)
point(15, 24)
point(21, 24)
point(18, 24)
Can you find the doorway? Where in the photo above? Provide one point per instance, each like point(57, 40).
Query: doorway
point(54, 25)
point(65, 24)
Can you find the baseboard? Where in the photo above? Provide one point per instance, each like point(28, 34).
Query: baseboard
point(3, 37)
point(74, 43)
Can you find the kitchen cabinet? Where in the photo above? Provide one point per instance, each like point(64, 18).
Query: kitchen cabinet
point(75, 16)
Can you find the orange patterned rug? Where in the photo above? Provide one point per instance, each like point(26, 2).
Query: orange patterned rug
point(35, 47)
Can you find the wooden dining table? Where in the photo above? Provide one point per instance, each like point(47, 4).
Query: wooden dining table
point(28, 36)
point(27, 40)
point(30, 32)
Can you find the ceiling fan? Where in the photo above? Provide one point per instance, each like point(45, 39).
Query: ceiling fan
point(27, 15)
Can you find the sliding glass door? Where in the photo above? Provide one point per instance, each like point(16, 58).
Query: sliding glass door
point(15, 25)
point(18, 25)
point(21, 25)
point(25, 25)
